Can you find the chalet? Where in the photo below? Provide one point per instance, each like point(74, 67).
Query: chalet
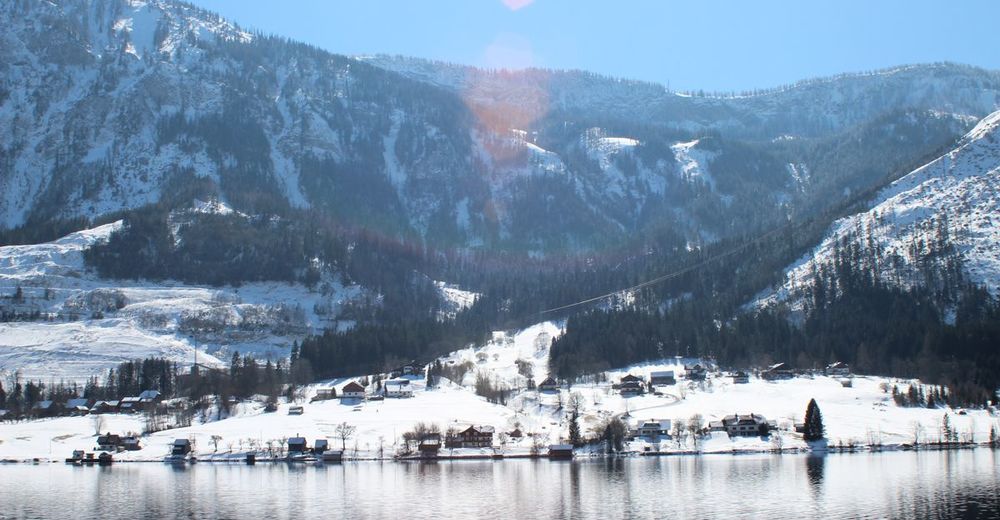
point(631, 388)
point(653, 428)
point(838, 368)
point(108, 442)
point(629, 378)
point(695, 372)
point(76, 403)
point(321, 446)
point(471, 437)
point(150, 397)
point(104, 407)
point(429, 445)
point(181, 447)
point(352, 390)
point(515, 433)
point(410, 369)
point(47, 409)
point(548, 385)
point(561, 451)
point(131, 443)
point(296, 410)
point(323, 394)
point(740, 377)
point(752, 425)
point(130, 405)
point(662, 377)
point(296, 445)
point(777, 371)
point(398, 388)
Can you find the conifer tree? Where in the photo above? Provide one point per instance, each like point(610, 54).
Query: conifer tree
point(814, 430)
point(574, 432)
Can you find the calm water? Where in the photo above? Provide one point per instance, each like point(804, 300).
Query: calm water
point(957, 484)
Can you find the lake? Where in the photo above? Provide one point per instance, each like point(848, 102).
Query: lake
point(949, 484)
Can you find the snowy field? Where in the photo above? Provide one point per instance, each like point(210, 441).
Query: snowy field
point(851, 415)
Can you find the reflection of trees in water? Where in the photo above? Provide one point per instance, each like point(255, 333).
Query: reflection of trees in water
point(815, 466)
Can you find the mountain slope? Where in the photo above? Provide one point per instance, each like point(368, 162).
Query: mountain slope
point(109, 106)
point(930, 223)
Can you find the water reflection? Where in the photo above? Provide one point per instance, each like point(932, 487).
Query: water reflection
point(891, 485)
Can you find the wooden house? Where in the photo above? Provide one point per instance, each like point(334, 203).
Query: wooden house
point(631, 388)
point(104, 407)
point(838, 368)
point(740, 377)
point(777, 371)
point(296, 445)
point(472, 437)
point(560, 451)
point(429, 445)
point(321, 446)
point(109, 442)
point(47, 409)
point(662, 377)
point(181, 447)
point(549, 384)
point(131, 443)
point(695, 372)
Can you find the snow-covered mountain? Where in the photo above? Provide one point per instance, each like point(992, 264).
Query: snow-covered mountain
point(106, 106)
point(942, 216)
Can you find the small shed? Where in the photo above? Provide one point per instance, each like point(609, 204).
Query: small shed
point(296, 445)
point(561, 451)
point(181, 447)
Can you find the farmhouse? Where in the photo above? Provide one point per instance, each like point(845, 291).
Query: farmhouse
point(548, 385)
point(838, 369)
point(662, 377)
point(652, 428)
point(471, 437)
point(740, 377)
point(696, 372)
point(752, 425)
point(777, 371)
point(398, 388)
point(352, 390)
point(630, 388)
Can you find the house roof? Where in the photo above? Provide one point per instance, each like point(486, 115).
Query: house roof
point(73, 403)
point(296, 440)
point(353, 386)
point(182, 442)
point(548, 381)
point(662, 424)
point(149, 394)
point(560, 447)
point(631, 377)
point(662, 373)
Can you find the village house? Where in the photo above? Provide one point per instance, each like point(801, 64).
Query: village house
point(129, 405)
point(104, 407)
point(838, 369)
point(149, 398)
point(471, 437)
point(429, 445)
point(777, 371)
point(131, 443)
point(323, 394)
point(629, 378)
point(320, 446)
point(548, 385)
point(296, 445)
point(662, 377)
point(740, 378)
point(352, 390)
point(561, 451)
point(46, 409)
point(695, 372)
point(181, 447)
point(109, 442)
point(752, 425)
point(398, 388)
point(631, 388)
point(410, 369)
point(652, 428)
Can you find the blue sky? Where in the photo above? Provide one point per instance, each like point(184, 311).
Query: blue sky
point(690, 45)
